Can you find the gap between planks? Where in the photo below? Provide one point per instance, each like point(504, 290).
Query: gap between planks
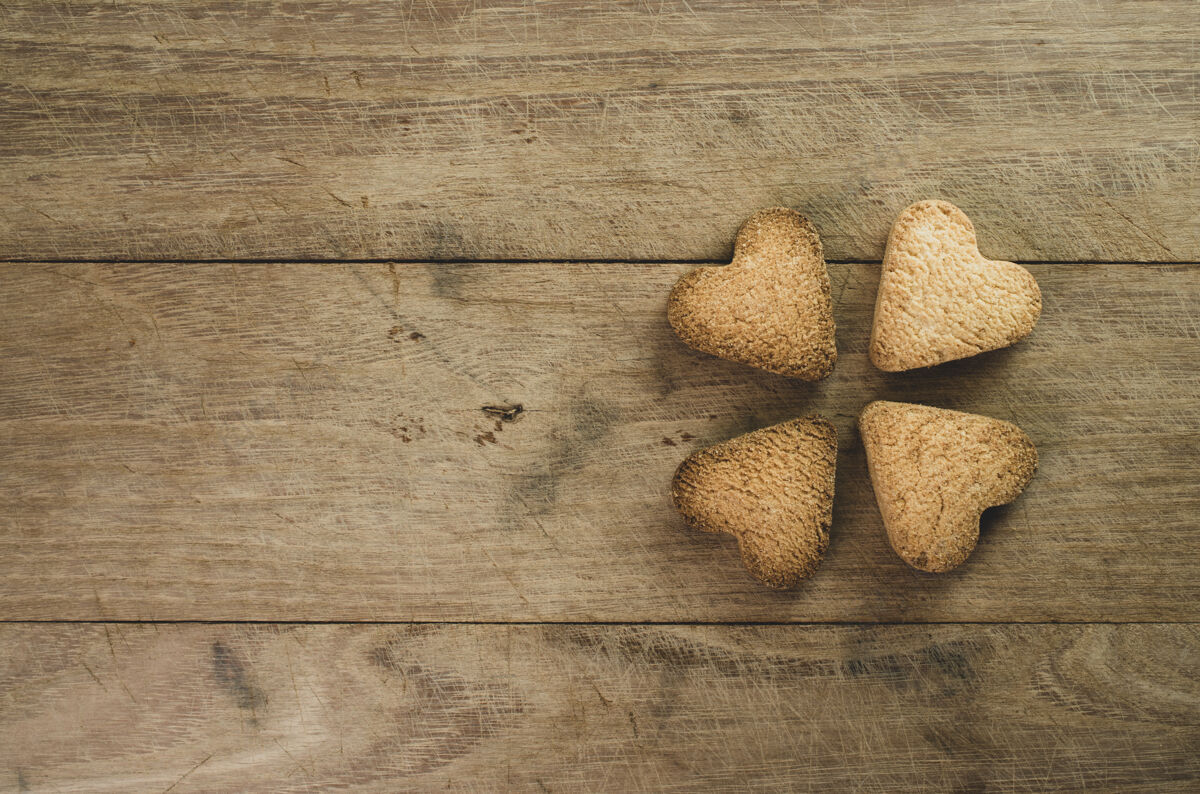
point(502, 261)
point(629, 623)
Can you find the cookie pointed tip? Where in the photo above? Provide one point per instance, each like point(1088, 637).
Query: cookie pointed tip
point(820, 424)
point(820, 367)
point(924, 564)
point(884, 361)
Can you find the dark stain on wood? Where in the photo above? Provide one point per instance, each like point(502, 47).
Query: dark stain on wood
point(390, 654)
point(460, 712)
point(448, 242)
point(396, 331)
point(231, 673)
point(667, 441)
point(590, 419)
point(673, 360)
point(664, 651)
point(946, 667)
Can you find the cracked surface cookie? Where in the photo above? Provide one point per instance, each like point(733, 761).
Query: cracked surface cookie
point(772, 489)
point(770, 307)
point(940, 299)
point(935, 471)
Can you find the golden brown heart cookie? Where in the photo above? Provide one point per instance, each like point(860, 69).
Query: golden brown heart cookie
point(935, 471)
point(770, 308)
point(772, 489)
point(939, 299)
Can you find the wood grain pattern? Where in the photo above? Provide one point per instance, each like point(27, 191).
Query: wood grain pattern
point(616, 130)
point(324, 442)
point(599, 708)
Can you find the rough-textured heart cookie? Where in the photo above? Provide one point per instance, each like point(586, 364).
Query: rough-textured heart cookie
point(935, 471)
point(770, 308)
point(939, 299)
point(772, 489)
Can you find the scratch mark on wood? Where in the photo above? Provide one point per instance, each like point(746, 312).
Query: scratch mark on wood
point(1138, 227)
point(94, 676)
point(190, 771)
point(395, 280)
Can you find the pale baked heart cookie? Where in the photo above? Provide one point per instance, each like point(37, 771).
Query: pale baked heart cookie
point(935, 471)
point(939, 299)
point(770, 308)
point(772, 489)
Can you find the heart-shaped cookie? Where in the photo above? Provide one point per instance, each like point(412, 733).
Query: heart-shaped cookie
point(772, 489)
point(770, 308)
point(935, 471)
point(939, 299)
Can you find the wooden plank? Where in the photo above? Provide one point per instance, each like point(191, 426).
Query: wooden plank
point(599, 708)
point(313, 442)
point(616, 130)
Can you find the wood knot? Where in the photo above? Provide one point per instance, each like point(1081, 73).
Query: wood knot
point(505, 413)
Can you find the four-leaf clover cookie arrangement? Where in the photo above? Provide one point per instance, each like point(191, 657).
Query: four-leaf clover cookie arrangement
point(934, 471)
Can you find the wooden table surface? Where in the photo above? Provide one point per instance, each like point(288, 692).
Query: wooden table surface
point(278, 275)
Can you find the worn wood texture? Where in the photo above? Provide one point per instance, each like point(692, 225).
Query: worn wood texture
point(599, 708)
point(322, 442)
point(616, 130)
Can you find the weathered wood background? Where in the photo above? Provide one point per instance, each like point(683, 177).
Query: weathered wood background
point(616, 708)
point(312, 442)
point(504, 193)
point(617, 130)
